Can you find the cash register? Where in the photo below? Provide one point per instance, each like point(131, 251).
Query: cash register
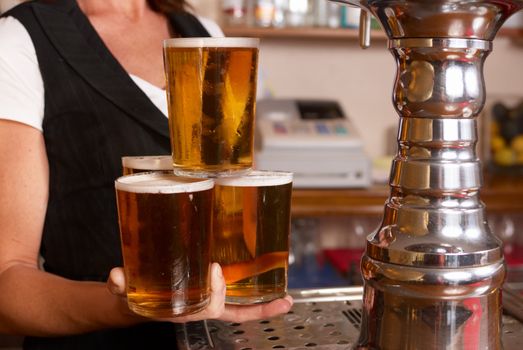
point(312, 138)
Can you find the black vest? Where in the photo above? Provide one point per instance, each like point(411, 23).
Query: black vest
point(94, 115)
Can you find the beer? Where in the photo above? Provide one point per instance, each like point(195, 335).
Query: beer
point(140, 164)
point(251, 234)
point(165, 227)
point(211, 94)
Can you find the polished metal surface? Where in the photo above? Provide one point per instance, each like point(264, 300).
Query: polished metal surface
point(439, 78)
point(431, 308)
point(326, 319)
point(477, 19)
point(433, 271)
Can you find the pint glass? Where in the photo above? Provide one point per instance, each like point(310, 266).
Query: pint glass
point(251, 235)
point(165, 227)
point(140, 164)
point(211, 94)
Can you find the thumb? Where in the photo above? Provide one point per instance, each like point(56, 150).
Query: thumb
point(217, 279)
point(116, 281)
point(216, 306)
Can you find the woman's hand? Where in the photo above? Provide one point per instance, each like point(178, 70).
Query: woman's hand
point(217, 309)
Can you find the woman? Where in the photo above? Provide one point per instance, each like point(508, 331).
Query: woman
point(81, 84)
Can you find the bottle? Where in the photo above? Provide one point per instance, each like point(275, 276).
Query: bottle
point(250, 6)
point(321, 13)
point(264, 13)
point(333, 15)
point(350, 17)
point(233, 12)
point(299, 13)
point(280, 13)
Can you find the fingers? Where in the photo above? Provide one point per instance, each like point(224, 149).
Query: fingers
point(116, 282)
point(241, 313)
point(116, 286)
point(216, 306)
point(216, 309)
point(234, 313)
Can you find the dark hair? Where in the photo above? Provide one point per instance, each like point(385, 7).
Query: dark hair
point(167, 6)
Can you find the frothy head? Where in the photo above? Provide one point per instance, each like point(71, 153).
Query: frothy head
point(257, 178)
point(212, 42)
point(161, 182)
point(148, 162)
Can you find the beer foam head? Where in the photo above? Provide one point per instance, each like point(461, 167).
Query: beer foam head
point(148, 162)
point(257, 178)
point(161, 182)
point(211, 42)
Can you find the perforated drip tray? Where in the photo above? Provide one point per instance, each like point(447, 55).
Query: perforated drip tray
point(326, 319)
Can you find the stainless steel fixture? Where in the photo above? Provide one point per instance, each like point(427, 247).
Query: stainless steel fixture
point(321, 319)
point(433, 271)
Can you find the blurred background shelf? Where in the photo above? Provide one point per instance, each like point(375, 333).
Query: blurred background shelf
point(501, 194)
point(334, 202)
point(327, 33)
point(299, 32)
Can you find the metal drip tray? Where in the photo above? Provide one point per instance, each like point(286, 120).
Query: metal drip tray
point(327, 319)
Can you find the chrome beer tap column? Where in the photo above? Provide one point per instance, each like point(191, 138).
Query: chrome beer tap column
point(433, 271)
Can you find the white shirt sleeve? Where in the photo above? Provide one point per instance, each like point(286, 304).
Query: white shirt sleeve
point(21, 85)
point(212, 27)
